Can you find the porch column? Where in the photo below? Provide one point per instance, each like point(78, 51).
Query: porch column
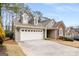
point(45, 33)
point(56, 34)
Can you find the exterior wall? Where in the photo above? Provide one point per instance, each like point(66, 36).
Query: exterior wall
point(49, 25)
point(51, 34)
point(71, 33)
point(56, 34)
point(17, 35)
point(61, 26)
point(44, 33)
point(36, 33)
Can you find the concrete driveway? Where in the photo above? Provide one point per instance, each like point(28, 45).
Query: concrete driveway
point(47, 48)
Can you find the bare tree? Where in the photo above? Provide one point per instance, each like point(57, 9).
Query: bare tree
point(39, 14)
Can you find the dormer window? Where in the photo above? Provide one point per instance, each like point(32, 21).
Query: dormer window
point(36, 18)
point(25, 18)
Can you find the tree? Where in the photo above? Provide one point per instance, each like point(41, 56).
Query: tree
point(11, 8)
point(38, 13)
point(4, 5)
point(0, 8)
point(1, 29)
point(2, 33)
point(0, 14)
point(15, 9)
point(27, 10)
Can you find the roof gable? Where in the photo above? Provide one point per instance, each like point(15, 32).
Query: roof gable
point(59, 23)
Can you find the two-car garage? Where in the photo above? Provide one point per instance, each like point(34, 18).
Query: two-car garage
point(31, 34)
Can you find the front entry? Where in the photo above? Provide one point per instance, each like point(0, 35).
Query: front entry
point(51, 33)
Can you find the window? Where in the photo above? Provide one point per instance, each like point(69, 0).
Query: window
point(34, 30)
point(36, 20)
point(60, 32)
point(22, 30)
point(31, 30)
point(41, 30)
point(26, 30)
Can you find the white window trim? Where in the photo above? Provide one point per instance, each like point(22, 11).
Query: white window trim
point(60, 32)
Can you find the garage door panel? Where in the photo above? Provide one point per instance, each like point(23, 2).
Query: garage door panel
point(31, 35)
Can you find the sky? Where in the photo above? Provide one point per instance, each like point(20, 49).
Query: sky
point(67, 12)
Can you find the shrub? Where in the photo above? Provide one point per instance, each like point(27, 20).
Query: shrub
point(61, 37)
point(76, 38)
point(9, 34)
point(68, 39)
point(1, 41)
point(2, 35)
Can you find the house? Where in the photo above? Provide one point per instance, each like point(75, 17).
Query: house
point(37, 30)
point(69, 32)
point(61, 28)
point(72, 32)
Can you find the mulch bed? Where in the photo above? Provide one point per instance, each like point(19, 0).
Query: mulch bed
point(10, 42)
point(12, 48)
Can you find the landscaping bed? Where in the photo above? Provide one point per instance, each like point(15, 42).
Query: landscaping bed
point(12, 48)
point(3, 51)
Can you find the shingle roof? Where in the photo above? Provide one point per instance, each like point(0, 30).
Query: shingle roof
point(41, 24)
point(16, 24)
point(45, 22)
point(58, 23)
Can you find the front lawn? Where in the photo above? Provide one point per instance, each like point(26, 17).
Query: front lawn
point(69, 43)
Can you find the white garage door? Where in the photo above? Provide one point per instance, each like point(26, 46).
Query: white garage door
point(31, 34)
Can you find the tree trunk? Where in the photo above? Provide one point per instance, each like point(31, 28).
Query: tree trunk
point(1, 41)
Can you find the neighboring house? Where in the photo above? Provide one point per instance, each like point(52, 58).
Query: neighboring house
point(37, 30)
point(69, 32)
point(72, 32)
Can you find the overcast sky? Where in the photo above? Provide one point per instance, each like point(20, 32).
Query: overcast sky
point(69, 13)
